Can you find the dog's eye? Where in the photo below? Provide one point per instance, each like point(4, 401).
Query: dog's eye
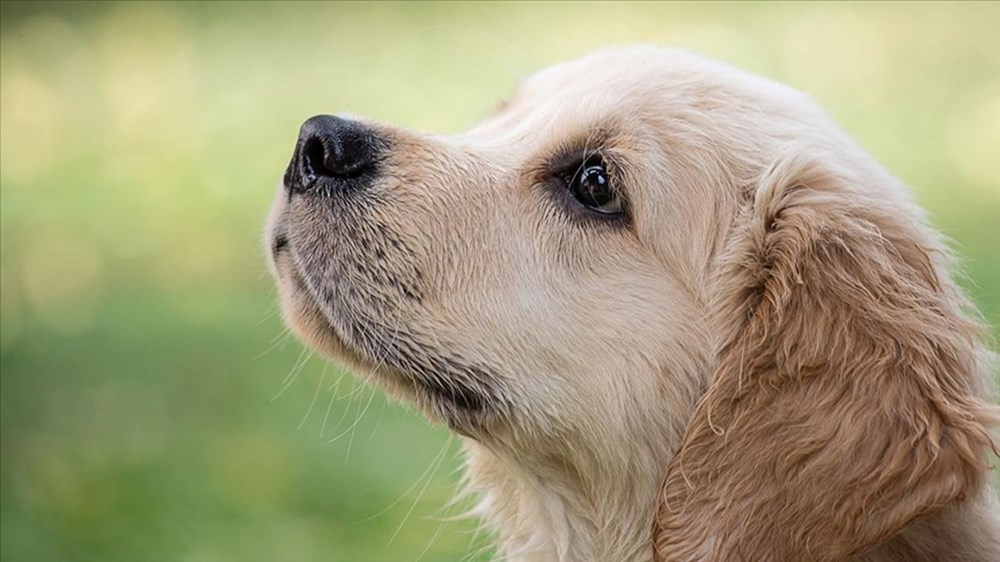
point(592, 187)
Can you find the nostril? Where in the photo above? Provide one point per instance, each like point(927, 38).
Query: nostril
point(332, 157)
point(314, 157)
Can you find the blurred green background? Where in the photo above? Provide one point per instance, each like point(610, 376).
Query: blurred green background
point(153, 407)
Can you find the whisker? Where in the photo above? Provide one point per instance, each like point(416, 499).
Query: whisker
point(378, 421)
point(413, 506)
point(356, 420)
point(333, 398)
point(350, 440)
point(279, 340)
point(313, 402)
point(293, 375)
point(412, 487)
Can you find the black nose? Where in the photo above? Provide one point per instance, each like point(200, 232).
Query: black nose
point(333, 153)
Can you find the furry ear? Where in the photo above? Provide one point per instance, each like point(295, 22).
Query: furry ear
point(848, 397)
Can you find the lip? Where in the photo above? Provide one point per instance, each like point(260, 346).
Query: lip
point(279, 243)
point(327, 339)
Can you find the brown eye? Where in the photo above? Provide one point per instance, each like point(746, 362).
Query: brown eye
point(592, 188)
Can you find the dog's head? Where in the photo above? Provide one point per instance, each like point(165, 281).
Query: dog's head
point(644, 253)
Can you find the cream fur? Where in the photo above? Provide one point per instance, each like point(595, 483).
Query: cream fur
point(772, 317)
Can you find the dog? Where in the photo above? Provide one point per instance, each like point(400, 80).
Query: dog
point(673, 310)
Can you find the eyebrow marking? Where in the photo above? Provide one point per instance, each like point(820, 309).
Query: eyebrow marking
point(585, 145)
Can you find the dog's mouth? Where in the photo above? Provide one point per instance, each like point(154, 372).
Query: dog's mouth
point(402, 360)
point(279, 243)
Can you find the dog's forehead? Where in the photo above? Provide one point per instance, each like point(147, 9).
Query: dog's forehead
point(598, 83)
point(626, 92)
point(619, 84)
point(607, 72)
point(578, 95)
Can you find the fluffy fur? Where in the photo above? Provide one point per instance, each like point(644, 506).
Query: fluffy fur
point(765, 359)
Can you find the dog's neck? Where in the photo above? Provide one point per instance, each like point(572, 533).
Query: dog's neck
point(546, 509)
point(586, 493)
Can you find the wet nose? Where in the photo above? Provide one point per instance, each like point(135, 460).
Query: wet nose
point(332, 153)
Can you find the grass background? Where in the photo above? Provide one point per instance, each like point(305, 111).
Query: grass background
point(152, 408)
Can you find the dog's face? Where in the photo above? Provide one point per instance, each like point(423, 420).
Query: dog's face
point(551, 263)
point(645, 253)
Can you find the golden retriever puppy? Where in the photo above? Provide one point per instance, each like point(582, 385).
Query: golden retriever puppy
point(674, 311)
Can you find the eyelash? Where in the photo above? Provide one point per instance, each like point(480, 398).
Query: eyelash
point(562, 170)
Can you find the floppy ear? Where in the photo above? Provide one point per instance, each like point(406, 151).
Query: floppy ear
point(846, 402)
